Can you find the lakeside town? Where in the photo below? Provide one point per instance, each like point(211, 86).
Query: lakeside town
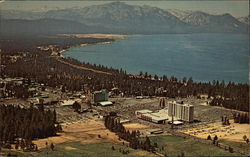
point(95, 104)
point(124, 78)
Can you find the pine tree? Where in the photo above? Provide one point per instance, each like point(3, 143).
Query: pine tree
point(182, 154)
point(215, 138)
point(209, 137)
point(52, 147)
point(54, 116)
point(244, 137)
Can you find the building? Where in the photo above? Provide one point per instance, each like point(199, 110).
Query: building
point(68, 103)
point(105, 103)
point(140, 112)
point(99, 96)
point(154, 131)
point(181, 111)
point(203, 96)
point(123, 121)
point(155, 117)
point(176, 122)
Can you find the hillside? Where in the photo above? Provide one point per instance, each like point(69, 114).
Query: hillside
point(43, 26)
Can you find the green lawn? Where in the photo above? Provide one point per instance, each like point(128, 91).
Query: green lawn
point(243, 146)
point(173, 146)
point(77, 149)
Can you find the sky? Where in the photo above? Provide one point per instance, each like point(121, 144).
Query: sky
point(237, 8)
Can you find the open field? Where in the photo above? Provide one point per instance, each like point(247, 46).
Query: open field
point(174, 146)
point(238, 145)
point(84, 132)
point(79, 149)
point(230, 135)
point(232, 132)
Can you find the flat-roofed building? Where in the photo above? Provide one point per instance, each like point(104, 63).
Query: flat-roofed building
point(155, 117)
point(68, 103)
point(140, 112)
point(176, 122)
point(154, 131)
point(105, 103)
point(123, 121)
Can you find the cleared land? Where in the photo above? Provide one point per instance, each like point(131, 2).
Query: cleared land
point(85, 132)
point(135, 126)
point(82, 68)
point(232, 132)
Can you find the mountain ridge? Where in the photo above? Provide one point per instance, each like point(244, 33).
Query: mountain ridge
point(119, 17)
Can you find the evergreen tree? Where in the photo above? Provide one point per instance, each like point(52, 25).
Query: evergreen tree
point(209, 137)
point(52, 147)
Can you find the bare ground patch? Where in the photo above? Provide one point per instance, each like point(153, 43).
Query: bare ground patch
point(86, 132)
point(232, 132)
point(70, 148)
point(135, 126)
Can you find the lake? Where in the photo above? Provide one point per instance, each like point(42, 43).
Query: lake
point(204, 57)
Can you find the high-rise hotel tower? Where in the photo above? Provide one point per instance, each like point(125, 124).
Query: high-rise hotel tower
point(181, 111)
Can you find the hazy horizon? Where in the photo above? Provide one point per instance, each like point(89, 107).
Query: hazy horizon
point(235, 8)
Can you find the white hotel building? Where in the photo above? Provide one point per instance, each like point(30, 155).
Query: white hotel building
point(181, 111)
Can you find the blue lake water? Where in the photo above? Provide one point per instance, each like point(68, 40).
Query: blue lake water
point(204, 57)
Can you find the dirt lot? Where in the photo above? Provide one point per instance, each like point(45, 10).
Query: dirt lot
point(83, 131)
point(232, 132)
point(135, 126)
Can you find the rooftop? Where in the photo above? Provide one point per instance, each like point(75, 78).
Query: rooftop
point(68, 102)
point(144, 111)
point(160, 115)
point(176, 122)
point(105, 103)
point(179, 103)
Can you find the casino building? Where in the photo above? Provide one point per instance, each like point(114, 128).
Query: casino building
point(181, 111)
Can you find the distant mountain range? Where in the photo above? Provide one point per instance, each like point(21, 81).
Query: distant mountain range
point(43, 26)
point(118, 17)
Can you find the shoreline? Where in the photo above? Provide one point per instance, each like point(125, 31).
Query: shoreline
point(115, 37)
point(97, 36)
point(59, 52)
point(199, 76)
point(81, 45)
